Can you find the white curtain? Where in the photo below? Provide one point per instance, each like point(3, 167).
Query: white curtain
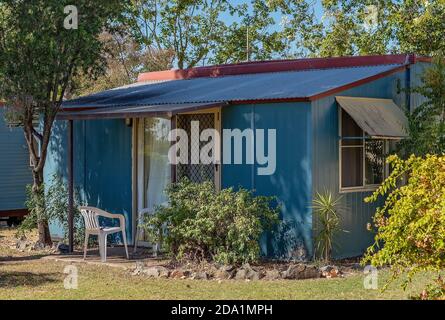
point(157, 171)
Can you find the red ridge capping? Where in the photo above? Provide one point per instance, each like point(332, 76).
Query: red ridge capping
point(276, 66)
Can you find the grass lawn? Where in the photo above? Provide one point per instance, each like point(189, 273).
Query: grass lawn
point(27, 276)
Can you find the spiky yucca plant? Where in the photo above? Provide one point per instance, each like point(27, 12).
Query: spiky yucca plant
point(327, 209)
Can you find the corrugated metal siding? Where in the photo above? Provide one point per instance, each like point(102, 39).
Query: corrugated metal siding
point(416, 72)
point(102, 164)
point(325, 173)
point(15, 173)
point(292, 181)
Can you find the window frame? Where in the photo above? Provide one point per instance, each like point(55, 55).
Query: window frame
point(364, 187)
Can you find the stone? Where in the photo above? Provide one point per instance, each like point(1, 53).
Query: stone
point(179, 274)
point(227, 268)
point(247, 272)
point(301, 271)
point(156, 272)
point(311, 272)
point(272, 275)
point(335, 273)
point(326, 269)
point(223, 274)
point(241, 274)
point(293, 271)
point(21, 244)
point(201, 275)
point(330, 271)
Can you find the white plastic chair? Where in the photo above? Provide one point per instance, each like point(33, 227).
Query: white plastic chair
point(142, 213)
point(91, 217)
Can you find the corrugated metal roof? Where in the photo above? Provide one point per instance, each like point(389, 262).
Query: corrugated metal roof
point(135, 112)
point(237, 88)
point(377, 117)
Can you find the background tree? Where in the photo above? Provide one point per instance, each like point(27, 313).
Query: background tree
point(360, 27)
point(426, 124)
point(217, 31)
point(39, 58)
point(125, 59)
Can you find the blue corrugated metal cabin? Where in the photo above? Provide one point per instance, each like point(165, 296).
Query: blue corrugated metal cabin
point(333, 118)
point(15, 172)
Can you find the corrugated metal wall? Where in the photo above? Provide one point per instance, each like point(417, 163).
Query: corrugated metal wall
point(15, 172)
point(291, 183)
point(102, 164)
point(416, 72)
point(326, 162)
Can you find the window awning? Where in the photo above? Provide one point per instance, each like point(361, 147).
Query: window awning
point(379, 118)
point(166, 110)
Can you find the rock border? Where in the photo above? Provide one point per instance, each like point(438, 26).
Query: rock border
point(246, 272)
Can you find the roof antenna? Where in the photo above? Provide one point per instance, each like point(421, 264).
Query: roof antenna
point(247, 44)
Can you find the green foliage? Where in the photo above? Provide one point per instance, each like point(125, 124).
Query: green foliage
point(411, 223)
point(200, 223)
point(427, 122)
point(198, 32)
point(39, 61)
point(360, 27)
point(326, 208)
point(38, 56)
point(54, 200)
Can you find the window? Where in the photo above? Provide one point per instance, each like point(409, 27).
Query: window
point(362, 159)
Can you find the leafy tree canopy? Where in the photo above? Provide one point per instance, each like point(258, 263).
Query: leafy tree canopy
point(216, 31)
point(426, 124)
point(42, 47)
point(376, 27)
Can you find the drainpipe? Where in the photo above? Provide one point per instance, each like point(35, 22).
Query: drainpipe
point(411, 59)
point(70, 188)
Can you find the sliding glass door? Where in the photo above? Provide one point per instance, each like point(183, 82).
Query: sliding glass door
point(154, 170)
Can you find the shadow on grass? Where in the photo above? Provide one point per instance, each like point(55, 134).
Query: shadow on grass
point(23, 258)
point(17, 279)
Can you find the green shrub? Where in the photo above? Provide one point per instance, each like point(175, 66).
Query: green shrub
point(55, 201)
point(200, 223)
point(411, 224)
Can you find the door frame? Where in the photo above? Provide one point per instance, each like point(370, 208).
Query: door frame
point(136, 164)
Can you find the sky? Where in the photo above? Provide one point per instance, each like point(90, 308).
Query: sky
point(317, 8)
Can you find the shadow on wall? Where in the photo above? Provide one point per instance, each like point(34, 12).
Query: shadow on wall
point(102, 165)
point(292, 237)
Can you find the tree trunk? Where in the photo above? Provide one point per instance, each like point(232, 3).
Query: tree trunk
point(42, 222)
point(38, 162)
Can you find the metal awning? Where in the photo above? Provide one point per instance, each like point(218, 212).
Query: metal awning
point(379, 118)
point(166, 110)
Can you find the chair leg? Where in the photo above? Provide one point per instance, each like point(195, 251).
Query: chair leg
point(124, 235)
point(136, 238)
point(85, 246)
point(101, 237)
point(105, 247)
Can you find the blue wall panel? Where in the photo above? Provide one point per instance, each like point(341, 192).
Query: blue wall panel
point(102, 164)
point(417, 71)
point(15, 172)
point(291, 183)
